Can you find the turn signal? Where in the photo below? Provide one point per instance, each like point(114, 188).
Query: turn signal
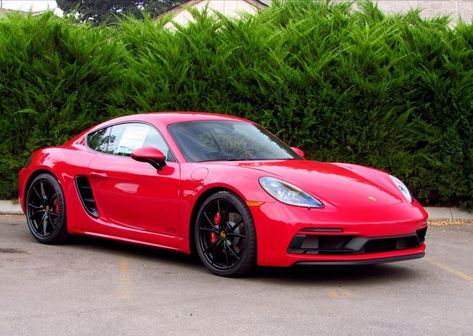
point(254, 203)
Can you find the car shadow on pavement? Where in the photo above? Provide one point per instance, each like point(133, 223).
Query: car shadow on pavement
point(374, 274)
point(366, 275)
point(136, 251)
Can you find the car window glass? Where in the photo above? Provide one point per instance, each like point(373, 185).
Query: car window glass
point(99, 140)
point(232, 140)
point(208, 141)
point(228, 140)
point(115, 140)
point(123, 139)
point(155, 139)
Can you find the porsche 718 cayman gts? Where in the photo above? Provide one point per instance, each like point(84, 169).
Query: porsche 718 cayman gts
point(222, 187)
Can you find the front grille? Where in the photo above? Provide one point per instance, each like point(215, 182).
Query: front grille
point(344, 244)
point(391, 244)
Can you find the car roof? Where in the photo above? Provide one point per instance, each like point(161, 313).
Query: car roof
point(162, 119)
point(167, 118)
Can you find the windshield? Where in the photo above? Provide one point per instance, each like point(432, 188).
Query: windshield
point(222, 140)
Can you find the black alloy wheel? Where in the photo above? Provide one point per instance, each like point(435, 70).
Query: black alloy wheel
point(45, 210)
point(225, 235)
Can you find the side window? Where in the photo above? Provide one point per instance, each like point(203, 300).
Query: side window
point(98, 140)
point(123, 139)
point(155, 139)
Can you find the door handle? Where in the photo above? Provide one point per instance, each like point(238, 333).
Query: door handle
point(98, 174)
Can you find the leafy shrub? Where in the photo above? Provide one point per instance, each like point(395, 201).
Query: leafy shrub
point(390, 91)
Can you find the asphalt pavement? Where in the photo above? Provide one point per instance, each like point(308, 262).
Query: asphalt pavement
point(96, 287)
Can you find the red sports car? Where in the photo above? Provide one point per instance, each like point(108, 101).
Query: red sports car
point(222, 187)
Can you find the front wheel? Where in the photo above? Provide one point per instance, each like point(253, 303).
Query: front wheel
point(225, 235)
point(46, 210)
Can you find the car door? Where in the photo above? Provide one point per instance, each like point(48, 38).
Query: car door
point(130, 193)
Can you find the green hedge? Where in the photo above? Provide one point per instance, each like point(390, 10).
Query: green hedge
point(394, 92)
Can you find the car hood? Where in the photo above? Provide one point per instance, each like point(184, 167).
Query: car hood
point(339, 184)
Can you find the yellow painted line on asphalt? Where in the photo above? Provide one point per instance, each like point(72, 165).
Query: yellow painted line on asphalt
point(339, 293)
point(449, 269)
point(123, 279)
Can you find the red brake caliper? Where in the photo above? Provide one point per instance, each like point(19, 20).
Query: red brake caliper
point(217, 221)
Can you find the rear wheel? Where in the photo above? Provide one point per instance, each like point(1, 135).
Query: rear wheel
point(45, 210)
point(225, 235)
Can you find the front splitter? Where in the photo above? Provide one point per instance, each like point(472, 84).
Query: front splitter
point(359, 262)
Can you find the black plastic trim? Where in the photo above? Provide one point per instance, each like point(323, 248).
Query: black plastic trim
point(86, 195)
point(321, 230)
point(350, 245)
point(360, 262)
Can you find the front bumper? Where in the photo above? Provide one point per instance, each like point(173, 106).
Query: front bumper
point(288, 235)
point(360, 262)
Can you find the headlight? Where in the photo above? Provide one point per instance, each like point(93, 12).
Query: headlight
point(289, 194)
point(402, 188)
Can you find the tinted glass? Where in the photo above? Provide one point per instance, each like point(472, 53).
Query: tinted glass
point(228, 140)
point(99, 140)
point(123, 139)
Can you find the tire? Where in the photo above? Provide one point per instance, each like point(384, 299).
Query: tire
point(46, 210)
point(224, 235)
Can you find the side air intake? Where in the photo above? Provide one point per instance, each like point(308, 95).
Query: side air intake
point(86, 196)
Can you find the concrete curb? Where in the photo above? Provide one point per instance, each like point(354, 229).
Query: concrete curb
point(10, 208)
point(435, 213)
point(438, 213)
